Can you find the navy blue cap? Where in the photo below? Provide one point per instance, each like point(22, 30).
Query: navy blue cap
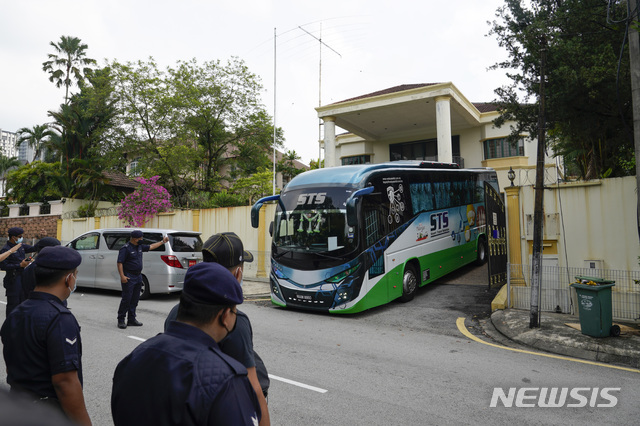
point(136, 234)
point(15, 231)
point(47, 242)
point(212, 284)
point(226, 248)
point(58, 257)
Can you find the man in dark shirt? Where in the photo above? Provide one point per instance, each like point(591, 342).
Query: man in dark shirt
point(181, 377)
point(227, 249)
point(130, 270)
point(29, 275)
point(41, 341)
point(13, 266)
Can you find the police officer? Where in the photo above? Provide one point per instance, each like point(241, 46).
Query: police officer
point(226, 248)
point(29, 275)
point(13, 266)
point(181, 377)
point(41, 337)
point(130, 269)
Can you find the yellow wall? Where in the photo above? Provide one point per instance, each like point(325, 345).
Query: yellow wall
point(206, 221)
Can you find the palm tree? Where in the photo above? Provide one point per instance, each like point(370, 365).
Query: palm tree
point(6, 164)
point(65, 63)
point(37, 137)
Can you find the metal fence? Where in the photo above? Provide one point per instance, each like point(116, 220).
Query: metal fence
point(557, 296)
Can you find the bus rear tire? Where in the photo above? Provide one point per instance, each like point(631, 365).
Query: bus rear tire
point(482, 251)
point(409, 284)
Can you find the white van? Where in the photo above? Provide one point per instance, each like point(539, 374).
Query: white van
point(163, 269)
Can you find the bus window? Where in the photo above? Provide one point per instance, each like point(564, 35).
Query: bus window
point(421, 197)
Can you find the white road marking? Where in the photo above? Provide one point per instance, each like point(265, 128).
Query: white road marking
point(271, 376)
point(302, 385)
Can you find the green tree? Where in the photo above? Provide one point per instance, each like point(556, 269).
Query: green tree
point(35, 137)
point(220, 103)
point(69, 61)
point(193, 124)
point(587, 79)
point(35, 182)
point(316, 164)
point(81, 136)
point(255, 186)
point(8, 163)
point(149, 125)
point(287, 166)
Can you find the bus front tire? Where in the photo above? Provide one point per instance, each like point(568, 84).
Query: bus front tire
point(409, 284)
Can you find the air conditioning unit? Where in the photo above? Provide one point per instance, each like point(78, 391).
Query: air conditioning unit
point(594, 264)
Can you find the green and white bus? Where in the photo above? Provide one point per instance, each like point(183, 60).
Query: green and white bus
point(349, 238)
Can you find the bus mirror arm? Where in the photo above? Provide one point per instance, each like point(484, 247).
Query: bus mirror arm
point(255, 210)
point(352, 203)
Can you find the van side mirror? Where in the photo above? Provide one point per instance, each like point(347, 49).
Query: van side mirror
point(352, 205)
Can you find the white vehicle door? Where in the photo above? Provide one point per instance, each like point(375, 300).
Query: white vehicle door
point(88, 246)
point(107, 275)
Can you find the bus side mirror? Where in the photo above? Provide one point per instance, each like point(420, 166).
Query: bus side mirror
point(255, 209)
point(255, 215)
point(352, 205)
point(352, 213)
point(271, 229)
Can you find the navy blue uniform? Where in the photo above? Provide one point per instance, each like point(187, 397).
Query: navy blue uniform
point(13, 273)
point(130, 255)
point(182, 378)
point(238, 345)
point(29, 282)
point(41, 338)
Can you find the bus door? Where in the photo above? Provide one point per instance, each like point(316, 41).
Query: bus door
point(496, 235)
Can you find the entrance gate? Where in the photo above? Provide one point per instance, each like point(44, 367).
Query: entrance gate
point(497, 236)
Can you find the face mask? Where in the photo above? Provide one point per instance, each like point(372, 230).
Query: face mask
point(19, 240)
point(232, 328)
point(241, 276)
point(75, 284)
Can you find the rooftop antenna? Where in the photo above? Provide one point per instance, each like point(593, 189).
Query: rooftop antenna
point(320, 42)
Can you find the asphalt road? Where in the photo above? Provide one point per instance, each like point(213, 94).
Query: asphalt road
point(400, 364)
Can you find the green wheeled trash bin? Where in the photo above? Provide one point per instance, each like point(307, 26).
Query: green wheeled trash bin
point(594, 306)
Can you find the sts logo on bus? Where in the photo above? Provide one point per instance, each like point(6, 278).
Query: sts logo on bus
point(439, 223)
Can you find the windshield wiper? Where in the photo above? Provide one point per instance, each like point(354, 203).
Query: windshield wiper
point(282, 252)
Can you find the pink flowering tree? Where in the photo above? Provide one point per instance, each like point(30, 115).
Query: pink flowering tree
point(145, 202)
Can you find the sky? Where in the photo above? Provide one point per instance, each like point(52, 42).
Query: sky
point(367, 45)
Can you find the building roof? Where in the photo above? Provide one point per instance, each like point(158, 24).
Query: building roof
point(406, 111)
point(481, 106)
point(120, 180)
point(395, 89)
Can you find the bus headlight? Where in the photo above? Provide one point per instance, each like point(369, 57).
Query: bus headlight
point(278, 273)
point(342, 275)
point(343, 295)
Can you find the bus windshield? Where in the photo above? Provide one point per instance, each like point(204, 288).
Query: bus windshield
point(314, 222)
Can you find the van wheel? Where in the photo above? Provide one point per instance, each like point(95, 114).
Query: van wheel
point(482, 251)
point(145, 292)
point(409, 284)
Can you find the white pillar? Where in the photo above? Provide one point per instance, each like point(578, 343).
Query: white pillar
point(329, 141)
point(443, 125)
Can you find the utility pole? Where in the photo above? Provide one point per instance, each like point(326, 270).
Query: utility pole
point(634, 68)
point(538, 209)
point(274, 110)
